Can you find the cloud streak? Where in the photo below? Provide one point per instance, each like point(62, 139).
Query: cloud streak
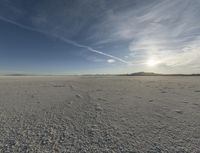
point(68, 41)
point(167, 30)
point(93, 50)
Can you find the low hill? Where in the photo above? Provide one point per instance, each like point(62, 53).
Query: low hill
point(157, 74)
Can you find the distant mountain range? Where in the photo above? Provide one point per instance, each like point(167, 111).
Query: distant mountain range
point(130, 74)
point(157, 74)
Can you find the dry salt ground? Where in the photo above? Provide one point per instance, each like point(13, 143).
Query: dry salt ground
point(100, 114)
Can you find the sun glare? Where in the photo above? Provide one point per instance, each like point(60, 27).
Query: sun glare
point(152, 62)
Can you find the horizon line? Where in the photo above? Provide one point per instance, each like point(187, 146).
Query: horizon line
point(116, 74)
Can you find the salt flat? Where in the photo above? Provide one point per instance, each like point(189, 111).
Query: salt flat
point(100, 114)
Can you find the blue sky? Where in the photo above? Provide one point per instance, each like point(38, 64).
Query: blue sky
point(99, 36)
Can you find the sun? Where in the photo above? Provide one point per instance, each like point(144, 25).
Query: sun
point(152, 62)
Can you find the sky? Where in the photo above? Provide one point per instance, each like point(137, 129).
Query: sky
point(99, 36)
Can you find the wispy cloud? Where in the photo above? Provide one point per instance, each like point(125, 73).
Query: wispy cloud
point(68, 41)
point(168, 30)
point(93, 50)
point(111, 61)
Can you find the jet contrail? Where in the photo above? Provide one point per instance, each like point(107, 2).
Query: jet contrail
point(21, 25)
point(93, 50)
point(65, 40)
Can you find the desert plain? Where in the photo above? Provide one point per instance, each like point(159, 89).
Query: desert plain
point(99, 114)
